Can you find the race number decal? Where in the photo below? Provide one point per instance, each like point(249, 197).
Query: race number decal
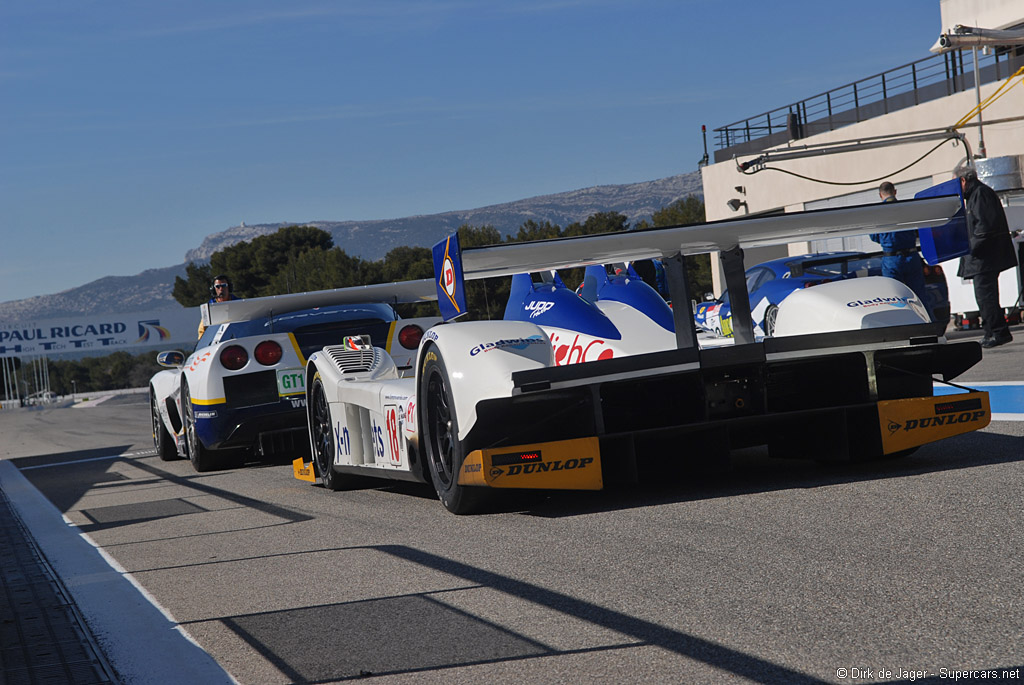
point(391, 428)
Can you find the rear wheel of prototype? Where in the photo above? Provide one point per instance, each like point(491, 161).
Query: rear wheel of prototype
point(440, 438)
point(202, 459)
point(165, 446)
point(322, 434)
point(770, 315)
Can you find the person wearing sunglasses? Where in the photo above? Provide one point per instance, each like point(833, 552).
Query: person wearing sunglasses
point(220, 291)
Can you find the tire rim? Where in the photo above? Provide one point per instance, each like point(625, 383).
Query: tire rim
point(769, 320)
point(190, 424)
point(322, 430)
point(156, 422)
point(440, 422)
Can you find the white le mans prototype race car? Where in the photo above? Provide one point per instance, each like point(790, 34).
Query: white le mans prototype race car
point(570, 392)
point(243, 388)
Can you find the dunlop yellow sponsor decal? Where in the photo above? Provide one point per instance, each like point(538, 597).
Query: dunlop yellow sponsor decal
point(559, 465)
point(431, 357)
point(918, 421)
point(303, 471)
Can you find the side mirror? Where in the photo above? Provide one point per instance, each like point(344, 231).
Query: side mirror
point(171, 359)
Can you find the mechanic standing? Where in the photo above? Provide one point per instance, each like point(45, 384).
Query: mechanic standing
point(900, 258)
point(988, 235)
point(221, 292)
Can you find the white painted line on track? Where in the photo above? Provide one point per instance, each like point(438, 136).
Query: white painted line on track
point(145, 453)
point(140, 639)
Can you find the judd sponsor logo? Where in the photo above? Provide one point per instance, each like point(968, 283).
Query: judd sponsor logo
point(538, 307)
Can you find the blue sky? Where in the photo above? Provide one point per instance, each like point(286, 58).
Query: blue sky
point(130, 130)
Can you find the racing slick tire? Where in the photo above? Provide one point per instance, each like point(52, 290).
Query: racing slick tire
point(202, 459)
point(322, 435)
point(770, 314)
point(166, 449)
point(443, 451)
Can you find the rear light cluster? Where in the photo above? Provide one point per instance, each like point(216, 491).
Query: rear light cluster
point(930, 271)
point(268, 353)
point(234, 357)
point(409, 337)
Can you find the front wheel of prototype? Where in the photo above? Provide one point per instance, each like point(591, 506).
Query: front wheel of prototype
point(323, 436)
point(440, 436)
point(165, 447)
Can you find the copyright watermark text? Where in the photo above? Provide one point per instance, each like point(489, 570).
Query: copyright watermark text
point(952, 674)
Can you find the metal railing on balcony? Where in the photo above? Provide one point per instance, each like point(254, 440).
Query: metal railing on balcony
point(911, 84)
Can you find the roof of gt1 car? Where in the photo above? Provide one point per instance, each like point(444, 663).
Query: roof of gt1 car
point(290, 321)
point(216, 313)
point(783, 264)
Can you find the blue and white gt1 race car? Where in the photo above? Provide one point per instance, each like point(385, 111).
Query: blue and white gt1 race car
point(242, 390)
point(771, 282)
point(571, 392)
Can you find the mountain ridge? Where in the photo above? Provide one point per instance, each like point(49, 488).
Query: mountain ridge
point(370, 240)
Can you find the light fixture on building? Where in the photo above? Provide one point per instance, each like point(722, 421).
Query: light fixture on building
point(735, 204)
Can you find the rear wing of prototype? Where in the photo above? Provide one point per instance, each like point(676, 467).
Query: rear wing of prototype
point(215, 313)
point(453, 266)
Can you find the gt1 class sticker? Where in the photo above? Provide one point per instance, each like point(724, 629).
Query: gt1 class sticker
point(514, 343)
point(581, 349)
point(290, 381)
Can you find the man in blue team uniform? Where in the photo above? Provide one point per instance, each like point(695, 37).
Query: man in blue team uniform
point(900, 258)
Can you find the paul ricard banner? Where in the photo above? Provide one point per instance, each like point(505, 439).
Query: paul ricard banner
point(99, 333)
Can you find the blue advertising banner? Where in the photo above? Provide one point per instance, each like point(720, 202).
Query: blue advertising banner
point(99, 333)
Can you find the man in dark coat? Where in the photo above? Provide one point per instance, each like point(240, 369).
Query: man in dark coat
point(991, 253)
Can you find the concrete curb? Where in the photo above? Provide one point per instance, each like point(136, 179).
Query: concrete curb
point(140, 640)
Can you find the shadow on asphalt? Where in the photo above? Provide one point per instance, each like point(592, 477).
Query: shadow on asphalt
point(753, 471)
